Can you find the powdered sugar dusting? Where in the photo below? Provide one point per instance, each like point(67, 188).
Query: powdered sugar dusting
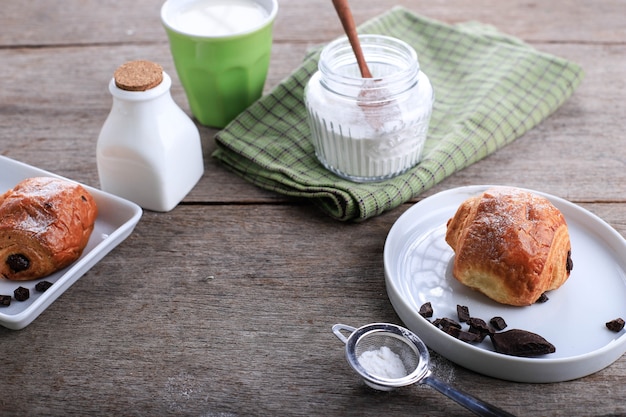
point(37, 216)
point(442, 368)
point(498, 220)
point(41, 186)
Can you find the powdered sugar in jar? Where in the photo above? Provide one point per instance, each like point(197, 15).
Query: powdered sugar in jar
point(369, 129)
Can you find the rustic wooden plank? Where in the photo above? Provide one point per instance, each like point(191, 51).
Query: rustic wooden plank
point(67, 87)
point(224, 305)
point(63, 22)
point(227, 318)
point(54, 102)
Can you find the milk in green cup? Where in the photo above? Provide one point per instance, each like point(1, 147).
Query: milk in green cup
point(221, 50)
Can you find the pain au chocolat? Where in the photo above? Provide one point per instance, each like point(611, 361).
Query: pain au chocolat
point(510, 244)
point(45, 224)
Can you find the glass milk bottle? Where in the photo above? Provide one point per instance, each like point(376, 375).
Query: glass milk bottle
point(149, 150)
point(369, 129)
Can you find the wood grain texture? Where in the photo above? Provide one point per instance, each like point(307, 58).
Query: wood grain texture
point(223, 307)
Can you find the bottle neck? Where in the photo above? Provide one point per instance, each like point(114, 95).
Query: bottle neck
point(393, 64)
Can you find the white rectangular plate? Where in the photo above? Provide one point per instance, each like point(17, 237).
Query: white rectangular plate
point(116, 221)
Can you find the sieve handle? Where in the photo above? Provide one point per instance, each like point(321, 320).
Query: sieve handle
point(479, 407)
point(339, 328)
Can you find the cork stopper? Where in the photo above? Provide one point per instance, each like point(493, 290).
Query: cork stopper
point(138, 75)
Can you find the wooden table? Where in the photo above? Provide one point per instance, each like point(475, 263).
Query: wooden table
point(223, 306)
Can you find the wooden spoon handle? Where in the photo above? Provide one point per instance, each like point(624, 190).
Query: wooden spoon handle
point(347, 21)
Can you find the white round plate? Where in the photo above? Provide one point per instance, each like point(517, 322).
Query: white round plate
point(418, 270)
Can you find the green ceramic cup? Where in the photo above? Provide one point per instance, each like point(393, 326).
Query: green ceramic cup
point(222, 71)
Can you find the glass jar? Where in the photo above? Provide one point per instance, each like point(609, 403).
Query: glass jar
point(369, 129)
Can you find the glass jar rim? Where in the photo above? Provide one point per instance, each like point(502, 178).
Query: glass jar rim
point(339, 69)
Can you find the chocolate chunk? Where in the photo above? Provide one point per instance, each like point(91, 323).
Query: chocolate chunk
point(42, 286)
point(463, 313)
point(446, 323)
point(426, 310)
point(18, 262)
point(518, 342)
point(569, 264)
point(452, 331)
point(615, 325)
point(5, 300)
point(542, 298)
point(498, 323)
point(480, 328)
point(462, 335)
point(21, 294)
point(437, 322)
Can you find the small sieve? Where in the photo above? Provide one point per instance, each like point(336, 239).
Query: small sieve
point(413, 354)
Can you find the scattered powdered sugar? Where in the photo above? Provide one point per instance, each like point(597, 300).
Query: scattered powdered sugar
point(36, 216)
point(383, 363)
point(442, 368)
point(181, 389)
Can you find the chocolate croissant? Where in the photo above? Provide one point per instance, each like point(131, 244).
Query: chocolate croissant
point(45, 224)
point(510, 244)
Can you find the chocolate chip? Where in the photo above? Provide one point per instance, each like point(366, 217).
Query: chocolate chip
point(480, 328)
point(445, 323)
point(514, 342)
point(42, 286)
point(498, 323)
point(426, 310)
point(569, 264)
point(542, 298)
point(5, 300)
point(518, 342)
point(615, 325)
point(463, 313)
point(462, 335)
point(18, 262)
point(21, 294)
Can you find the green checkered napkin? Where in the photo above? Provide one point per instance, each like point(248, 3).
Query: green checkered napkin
point(490, 88)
